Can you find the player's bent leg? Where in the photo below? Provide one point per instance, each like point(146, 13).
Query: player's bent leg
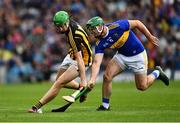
point(113, 68)
point(60, 72)
point(70, 74)
point(111, 71)
point(71, 85)
point(141, 81)
point(144, 81)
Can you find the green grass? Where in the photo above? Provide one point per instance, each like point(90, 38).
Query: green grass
point(158, 103)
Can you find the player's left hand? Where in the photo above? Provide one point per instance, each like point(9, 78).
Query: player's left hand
point(83, 84)
point(154, 40)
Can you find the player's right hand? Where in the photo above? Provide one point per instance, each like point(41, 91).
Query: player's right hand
point(91, 84)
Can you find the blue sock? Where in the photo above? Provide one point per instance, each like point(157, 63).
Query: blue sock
point(105, 103)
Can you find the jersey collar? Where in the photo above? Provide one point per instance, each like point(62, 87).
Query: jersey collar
point(106, 32)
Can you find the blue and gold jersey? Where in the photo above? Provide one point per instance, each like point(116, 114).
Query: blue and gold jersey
point(121, 38)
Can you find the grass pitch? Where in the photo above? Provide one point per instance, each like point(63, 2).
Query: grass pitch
point(158, 103)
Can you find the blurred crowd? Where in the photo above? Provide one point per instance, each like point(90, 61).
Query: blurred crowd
point(31, 50)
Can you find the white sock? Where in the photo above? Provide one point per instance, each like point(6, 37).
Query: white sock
point(156, 73)
point(106, 105)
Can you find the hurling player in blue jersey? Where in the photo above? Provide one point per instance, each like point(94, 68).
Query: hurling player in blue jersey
point(130, 54)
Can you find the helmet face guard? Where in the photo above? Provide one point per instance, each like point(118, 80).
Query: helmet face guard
point(62, 28)
point(95, 26)
point(95, 30)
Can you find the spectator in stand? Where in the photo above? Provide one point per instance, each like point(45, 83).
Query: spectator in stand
point(27, 24)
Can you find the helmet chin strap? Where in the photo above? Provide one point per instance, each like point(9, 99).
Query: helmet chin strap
point(67, 24)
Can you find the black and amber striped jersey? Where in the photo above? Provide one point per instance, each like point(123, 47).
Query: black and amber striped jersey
point(78, 41)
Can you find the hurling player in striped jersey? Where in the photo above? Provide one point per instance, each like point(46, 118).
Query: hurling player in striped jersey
point(74, 64)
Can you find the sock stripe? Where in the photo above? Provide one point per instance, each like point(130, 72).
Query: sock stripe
point(155, 73)
point(38, 105)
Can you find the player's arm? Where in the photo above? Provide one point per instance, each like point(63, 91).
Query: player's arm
point(95, 69)
point(142, 28)
point(81, 66)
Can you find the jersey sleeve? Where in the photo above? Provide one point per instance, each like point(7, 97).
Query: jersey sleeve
point(123, 24)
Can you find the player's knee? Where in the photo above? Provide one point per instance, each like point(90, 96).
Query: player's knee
point(142, 87)
point(107, 77)
point(57, 85)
